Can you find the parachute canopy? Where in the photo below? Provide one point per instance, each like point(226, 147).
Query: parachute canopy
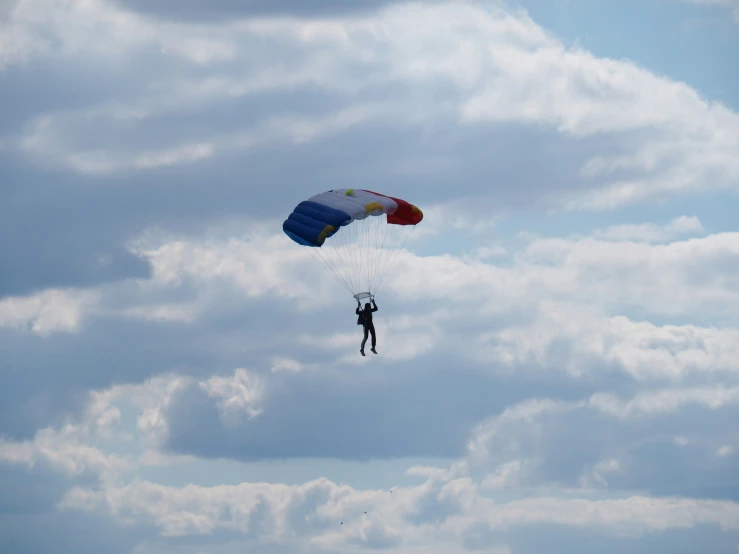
point(357, 233)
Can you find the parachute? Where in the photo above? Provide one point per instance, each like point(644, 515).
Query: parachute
point(356, 233)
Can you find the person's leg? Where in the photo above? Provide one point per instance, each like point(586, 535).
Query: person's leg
point(374, 338)
point(364, 341)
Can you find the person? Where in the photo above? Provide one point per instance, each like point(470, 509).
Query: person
point(365, 319)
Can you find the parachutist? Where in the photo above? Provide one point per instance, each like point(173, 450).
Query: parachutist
point(356, 233)
point(365, 319)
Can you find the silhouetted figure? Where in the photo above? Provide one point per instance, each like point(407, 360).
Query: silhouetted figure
point(365, 319)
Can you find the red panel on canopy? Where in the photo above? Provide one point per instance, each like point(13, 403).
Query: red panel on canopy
point(406, 214)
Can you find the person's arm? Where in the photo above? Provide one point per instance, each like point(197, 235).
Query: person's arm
point(374, 309)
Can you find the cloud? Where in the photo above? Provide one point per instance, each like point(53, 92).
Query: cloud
point(583, 343)
point(267, 98)
point(43, 141)
point(240, 393)
point(329, 514)
point(665, 401)
point(335, 514)
point(68, 532)
point(642, 349)
point(178, 376)
point(49, 213)
point(606, 272)
point(252, 265)
point(225, 9)
point(684, 143)
point(68, 449)
point(449, 505)
point(521, 447)
point(67, 456)
point(286, 364)
point(548, 314)
point(330, 414)
point(564, 289)
point(725, 450)
point(47, 312)
point(650, 232)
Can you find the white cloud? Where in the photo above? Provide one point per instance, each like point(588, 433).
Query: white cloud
point(257, 264)
point(79, 445)
point(632, 516)
point(680, 277)
point(68, 28)
point(726, 450)
point(164, 312)
point(236, 394)
point(445, 509)
point(185, 153)
point(522, 446)
point(597, 477)
point(485, 436)
point(504, 476)
point(550, 308)
point(49, 139)
point(501, 66)
point(485, 253)
point(332, 514)
point(454, 215)
point(70, 449)
point(64, 455)
point(558, 304)
point(280, 364)
point(47, 312)
point(399, 338)
point(665, 401)
point(651, 232)
point(153, 398)
point(643, 350)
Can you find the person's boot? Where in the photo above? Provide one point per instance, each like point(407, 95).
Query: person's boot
point(373, 350)
point(362, 351)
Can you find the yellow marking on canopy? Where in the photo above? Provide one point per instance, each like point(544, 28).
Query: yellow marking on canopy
point(327, 230)
point(372, 206)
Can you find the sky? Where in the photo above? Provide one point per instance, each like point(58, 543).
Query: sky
point(558, 366)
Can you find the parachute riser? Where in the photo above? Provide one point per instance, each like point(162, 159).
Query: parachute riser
point(363, 296)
